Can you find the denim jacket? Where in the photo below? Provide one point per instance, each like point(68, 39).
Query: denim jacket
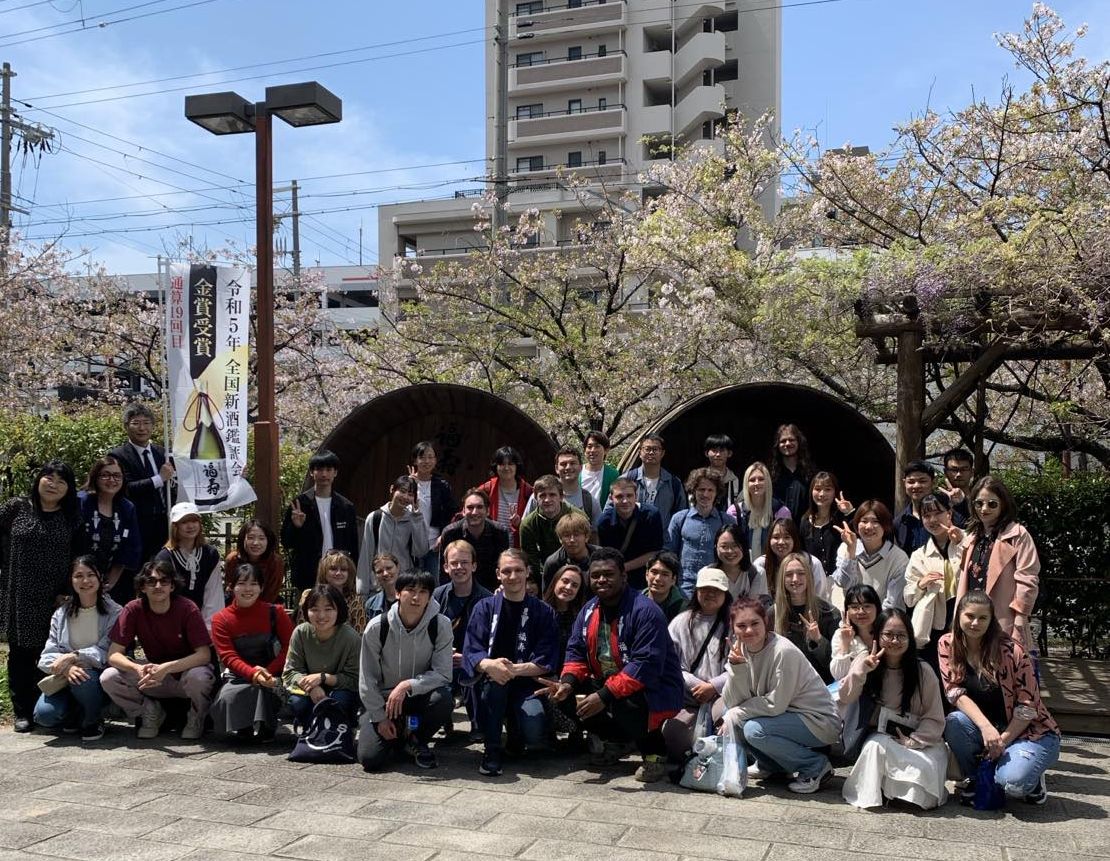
point(57, 644)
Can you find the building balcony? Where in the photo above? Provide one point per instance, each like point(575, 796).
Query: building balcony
point(560, 21)
point(701, 104)
point(654, 120)
point(609, 169)
point(654, 67)
point(563, 74)
point(566, 126)
point(691, 17)
point(703, 51)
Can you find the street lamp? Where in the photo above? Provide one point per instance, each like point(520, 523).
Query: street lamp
point(305, 104)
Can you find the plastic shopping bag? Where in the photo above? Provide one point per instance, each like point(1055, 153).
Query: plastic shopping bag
point(734, 774)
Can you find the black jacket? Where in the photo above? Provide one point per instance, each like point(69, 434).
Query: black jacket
point(304, 545)
point(150, 502)
point(444, 506)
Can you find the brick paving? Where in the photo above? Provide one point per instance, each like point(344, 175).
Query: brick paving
point(165, 800)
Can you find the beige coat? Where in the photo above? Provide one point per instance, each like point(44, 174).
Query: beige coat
point(1012, 577)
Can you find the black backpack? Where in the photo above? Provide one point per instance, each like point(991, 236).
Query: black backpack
point(330, 738)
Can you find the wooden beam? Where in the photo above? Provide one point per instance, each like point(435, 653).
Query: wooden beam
point(909, 405)
point(1018, 352)
point(963, 385)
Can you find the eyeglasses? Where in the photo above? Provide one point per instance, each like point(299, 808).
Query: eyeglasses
point(992, 504)
point(650, 449)
point(140, 423)
point(887, 637)
point(863, 606)
point(111, 476)
point(159, 581)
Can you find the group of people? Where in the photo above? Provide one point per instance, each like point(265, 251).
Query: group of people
point(624, 613)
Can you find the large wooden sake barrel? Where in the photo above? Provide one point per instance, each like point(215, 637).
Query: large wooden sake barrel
point(467, 425)
point(840, 439)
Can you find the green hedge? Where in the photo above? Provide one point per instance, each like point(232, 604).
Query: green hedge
point(1069, 519)
point(28, 441)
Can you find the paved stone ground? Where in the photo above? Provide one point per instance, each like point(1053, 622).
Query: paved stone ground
point(163, 800)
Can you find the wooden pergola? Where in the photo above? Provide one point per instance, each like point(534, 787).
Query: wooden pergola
point(899, 330)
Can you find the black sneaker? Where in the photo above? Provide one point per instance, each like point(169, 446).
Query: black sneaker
point(424, 757)
point(93, 732)
point(491, 765)
point(23, 725)
point(1039, 795)
point(965, 792)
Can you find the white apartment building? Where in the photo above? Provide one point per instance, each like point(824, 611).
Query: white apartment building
point(600, 89)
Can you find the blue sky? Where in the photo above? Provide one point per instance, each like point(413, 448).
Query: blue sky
point(411, 79)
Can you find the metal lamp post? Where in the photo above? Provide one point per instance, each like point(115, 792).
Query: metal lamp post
point(305, 104)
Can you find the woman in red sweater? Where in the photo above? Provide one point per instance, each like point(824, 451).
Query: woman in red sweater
point(251, 637)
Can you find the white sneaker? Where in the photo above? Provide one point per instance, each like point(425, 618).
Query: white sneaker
point(152, 718)
point(757, 773)
point(809, 785)
point(194, 726)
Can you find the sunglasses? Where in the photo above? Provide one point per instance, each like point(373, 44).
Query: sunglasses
point(992, 504)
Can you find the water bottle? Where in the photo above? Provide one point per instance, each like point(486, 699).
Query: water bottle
point(413, 723)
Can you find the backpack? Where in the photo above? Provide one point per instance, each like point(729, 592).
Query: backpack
point(330, 738)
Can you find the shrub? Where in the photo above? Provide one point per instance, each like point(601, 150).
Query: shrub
point(1069, 519)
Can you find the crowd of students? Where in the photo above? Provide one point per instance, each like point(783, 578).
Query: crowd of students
point(585, 609)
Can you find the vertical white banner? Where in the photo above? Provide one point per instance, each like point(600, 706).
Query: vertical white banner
point(207, 343)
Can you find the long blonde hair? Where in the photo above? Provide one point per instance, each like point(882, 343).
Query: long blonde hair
point(758, 517)
point(782, 597)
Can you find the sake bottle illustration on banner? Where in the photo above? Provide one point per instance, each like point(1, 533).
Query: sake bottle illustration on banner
point(210, 483)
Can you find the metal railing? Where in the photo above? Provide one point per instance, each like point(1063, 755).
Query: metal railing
point(558, 6)
point(549, 60)
point(569, 112)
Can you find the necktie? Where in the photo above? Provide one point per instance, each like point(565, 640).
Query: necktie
point(148, 463)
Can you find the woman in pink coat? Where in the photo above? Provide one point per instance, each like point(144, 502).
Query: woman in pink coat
point(1000, 559)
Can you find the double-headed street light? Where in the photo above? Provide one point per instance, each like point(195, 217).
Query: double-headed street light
point(306, 104)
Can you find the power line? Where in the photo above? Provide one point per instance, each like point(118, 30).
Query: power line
point(102, 24)
point(268, 75)
point(257, 65)
point(250, 185)
point(71, 23)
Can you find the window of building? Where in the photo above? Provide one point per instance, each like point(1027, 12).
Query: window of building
point(531, 8)
point(601, 159)
point(532, 58)
point(573, 4)
point(602, 50)
point(574, 159)
point(530, 162)
point(574, 52)
point(527, 112)
point(602, 104)
point(574, 106)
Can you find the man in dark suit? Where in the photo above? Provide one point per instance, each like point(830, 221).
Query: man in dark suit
point(148, 474)
point(318, 521)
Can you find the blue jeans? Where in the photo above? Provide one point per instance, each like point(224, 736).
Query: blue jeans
point(515, 704)
point(76, 705)
point(783, 743)
point(1019, 769)
point(302, 705)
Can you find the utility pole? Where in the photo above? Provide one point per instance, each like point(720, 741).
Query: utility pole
point(294, 188)
point(33, 136)
point(296, 234)
point(501, 118)
point(6, 154)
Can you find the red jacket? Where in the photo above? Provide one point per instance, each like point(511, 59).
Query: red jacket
point(524, 493)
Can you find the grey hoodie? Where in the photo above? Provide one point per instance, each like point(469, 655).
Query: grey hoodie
point(406, 537)
point(407, 655)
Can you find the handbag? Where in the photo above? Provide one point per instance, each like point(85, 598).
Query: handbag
point(330, 738)
point(988, 794)
point(718, 764)
point(53, 683)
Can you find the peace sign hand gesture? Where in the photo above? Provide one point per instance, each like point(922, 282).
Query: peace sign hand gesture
point(296, 515)
point(812, 631)
point(737, 655)
point(843, 504)
point(875, 658)
point(848, 538)
point(846, 632)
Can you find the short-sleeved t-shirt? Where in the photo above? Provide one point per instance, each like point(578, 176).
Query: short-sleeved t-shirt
point(164, 636)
